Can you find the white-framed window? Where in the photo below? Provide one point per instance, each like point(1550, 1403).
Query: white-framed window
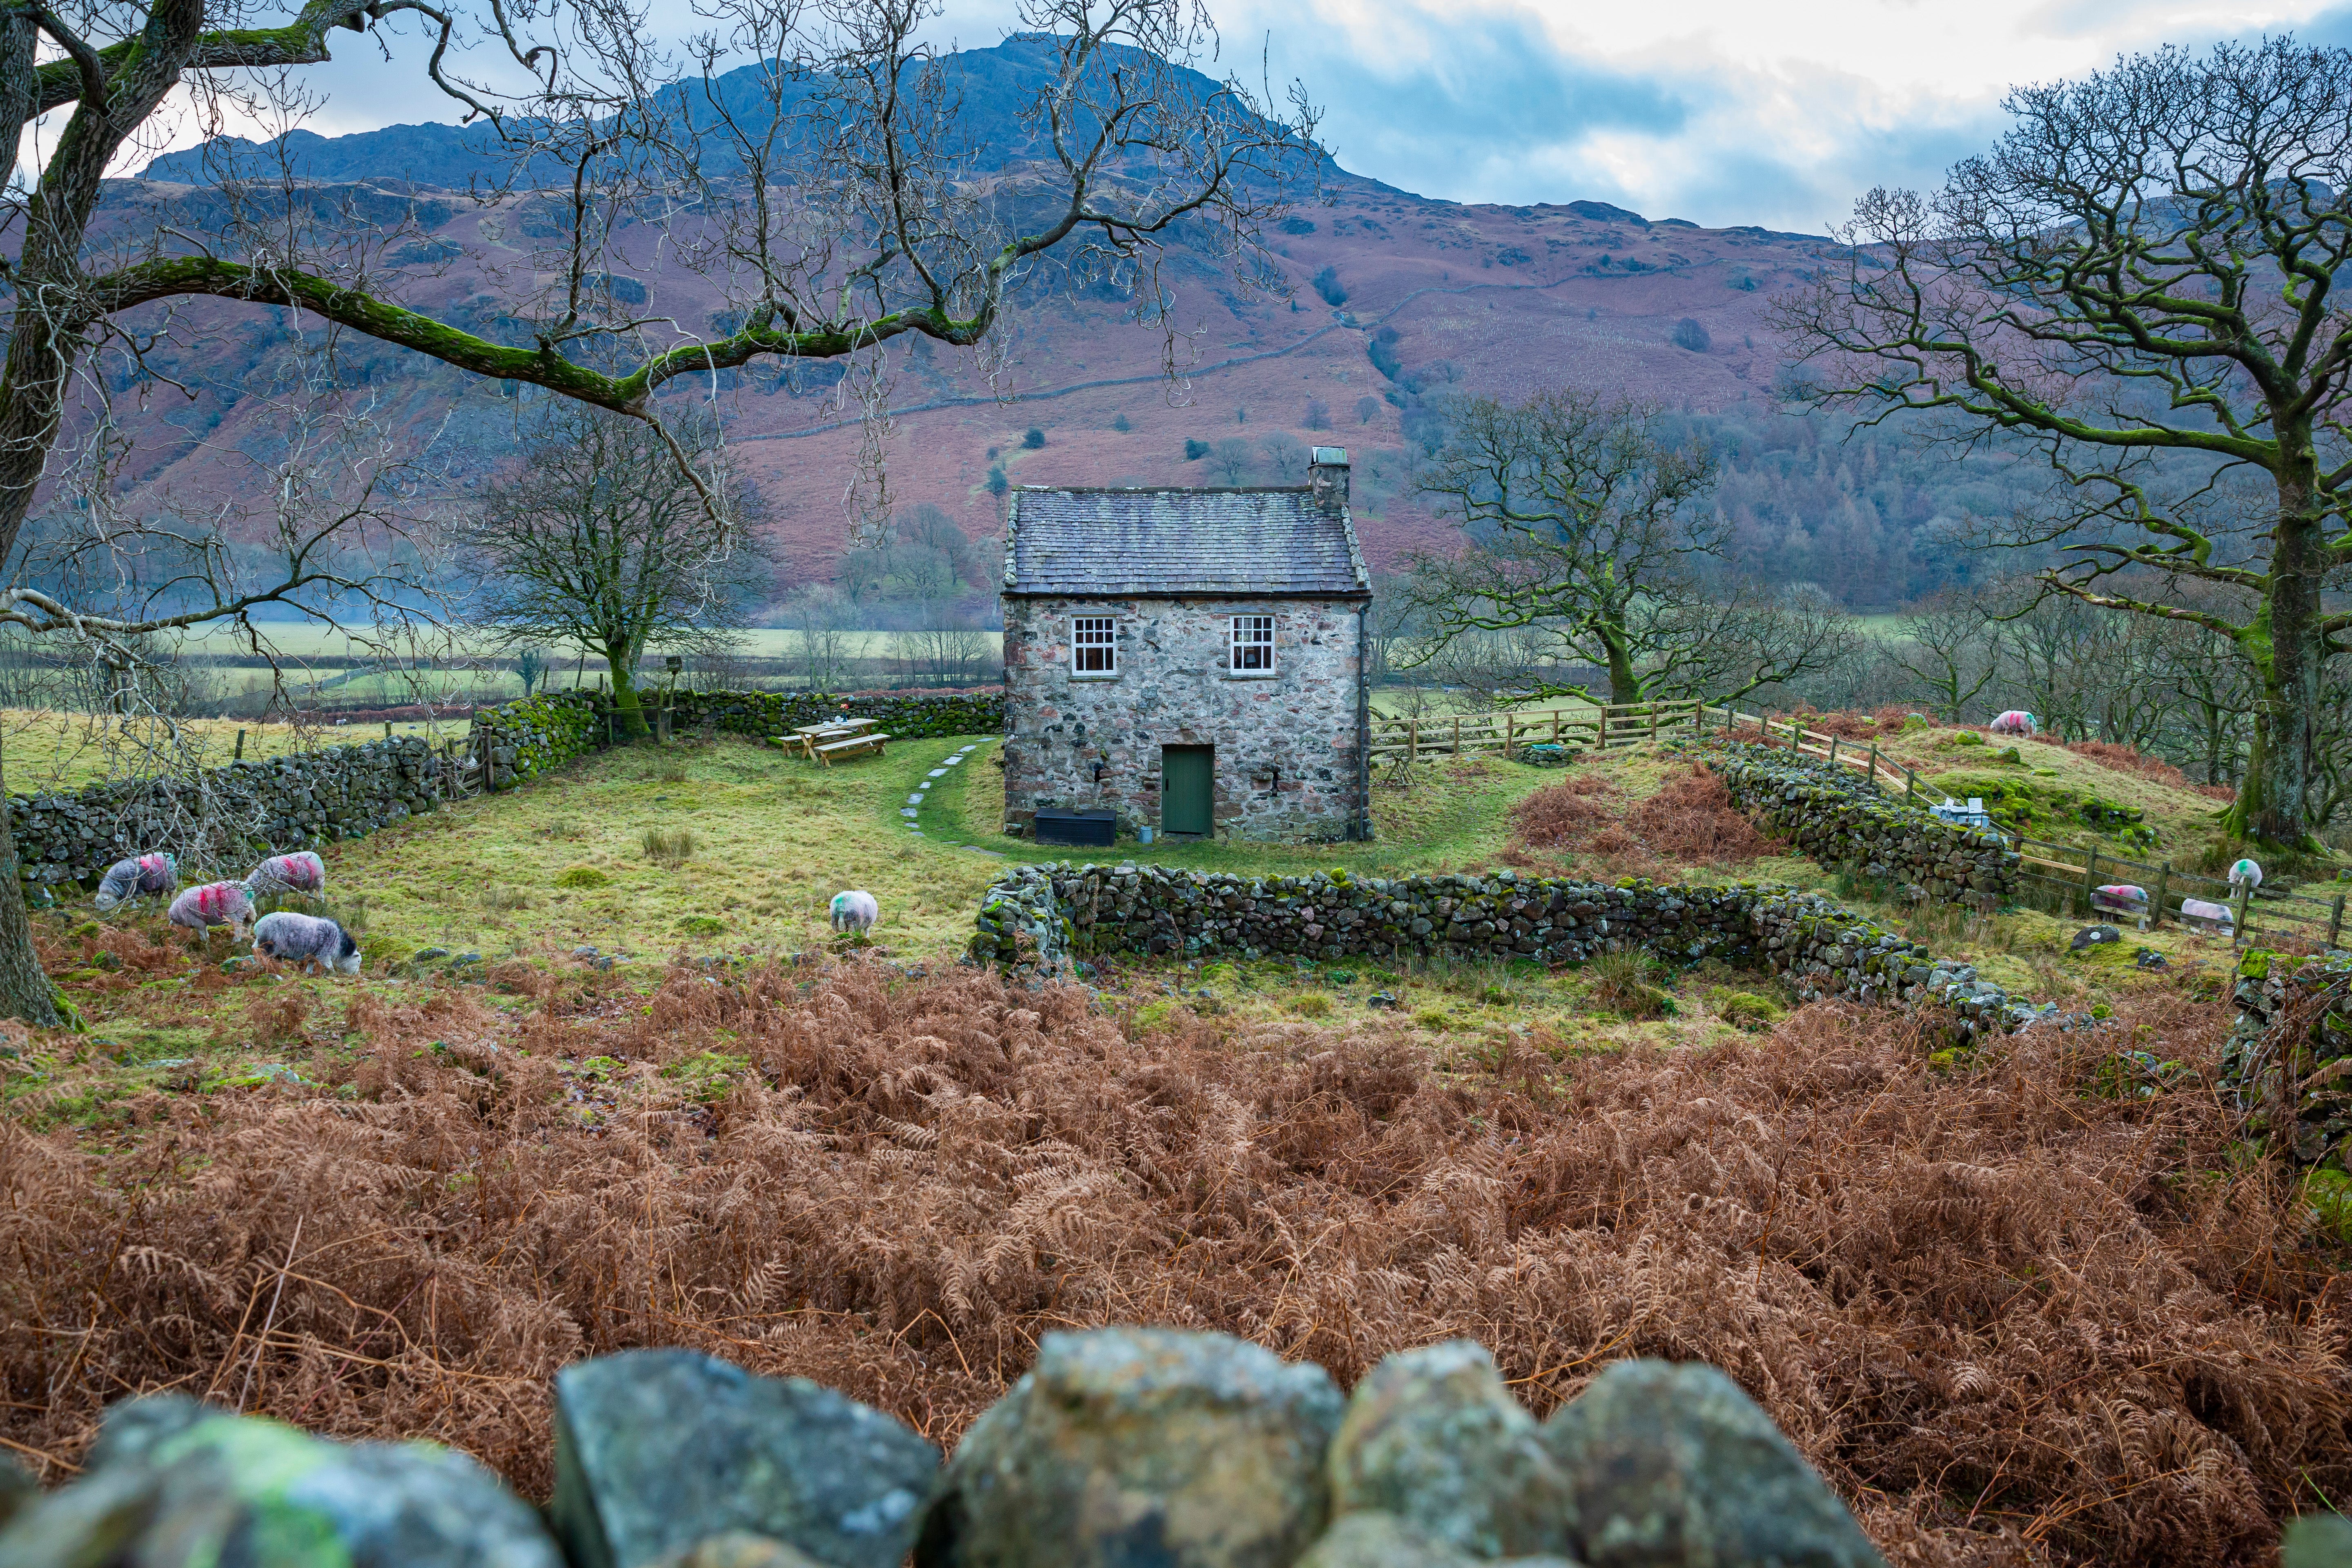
point(1094, 645)
point(1253, 645)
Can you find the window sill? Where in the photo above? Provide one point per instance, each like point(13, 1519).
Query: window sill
point(1249, 674)
point(1094, 675)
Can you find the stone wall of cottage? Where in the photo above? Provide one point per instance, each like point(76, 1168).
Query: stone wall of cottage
point(1288, 762)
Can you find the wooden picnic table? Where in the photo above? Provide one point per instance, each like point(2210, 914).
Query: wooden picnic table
point(810, 735)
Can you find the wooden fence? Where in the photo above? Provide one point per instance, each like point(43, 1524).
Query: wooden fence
point(2072, 868)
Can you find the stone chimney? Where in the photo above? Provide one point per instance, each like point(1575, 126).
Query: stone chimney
point(1327, 475)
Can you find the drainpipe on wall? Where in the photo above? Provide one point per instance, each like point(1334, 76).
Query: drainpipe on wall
point(1363, 726)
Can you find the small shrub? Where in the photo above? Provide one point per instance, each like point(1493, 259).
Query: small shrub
point(1627, 984)
point(1689, 334)
point(1327, 283)
point(1120, 422)
point(1365, 408)
point(1747, 1010)
point(581, 876)
point(1435, 1019)
point(671, 846)
point(1311, 1004)
point(672, 771)
point(701, 925)
point(1317, 416)
point(1194, 450)
point(1033, 438)
point(500, 900)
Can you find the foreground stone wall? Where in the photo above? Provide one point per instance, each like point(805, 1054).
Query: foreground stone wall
point(1118, 1447)
point(1845, 824)
point(1039, 918)
point(2288, 1059)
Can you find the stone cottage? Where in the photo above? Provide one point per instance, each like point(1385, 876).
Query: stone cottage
point(1189, 660)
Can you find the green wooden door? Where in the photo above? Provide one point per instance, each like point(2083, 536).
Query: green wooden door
point(1188, 791)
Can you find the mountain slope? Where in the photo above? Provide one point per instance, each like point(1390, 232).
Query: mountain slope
point(1394, 298)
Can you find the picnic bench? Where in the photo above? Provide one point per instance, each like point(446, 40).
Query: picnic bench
point(807, 738)
point(851, 746)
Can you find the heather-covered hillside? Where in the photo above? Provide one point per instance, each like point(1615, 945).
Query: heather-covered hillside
point(1390, 302)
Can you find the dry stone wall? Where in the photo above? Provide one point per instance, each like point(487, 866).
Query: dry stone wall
point(1042, 918)
point(1848, 825)
point(225, 815)
point(1118, 1447)
point(2288, 1059)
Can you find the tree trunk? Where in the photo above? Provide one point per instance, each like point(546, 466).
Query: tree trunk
point(628, 715)
point(2274, 799)
point(23, 988)
point(1624, 681)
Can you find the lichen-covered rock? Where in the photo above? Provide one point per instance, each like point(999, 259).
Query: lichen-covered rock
point(2317, 1541)
point(657, 1449)
point(1141, 1445)
point(1432, 1437)
point(18, 1491)
point(1374, 1539)
point(1674, 1467)
point(740, 1549)
point(177, 1485)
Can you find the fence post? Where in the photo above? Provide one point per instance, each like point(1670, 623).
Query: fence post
point(240, 746)
point(1457, 735)
point(1653, 722)
point(2336, 920)
point(1511, 724)
point(2238, 915)
point(1555, 726)
point(1834, 746)
point(1874, 763)
point(2163, 885)
point(2090, 880)
point(1910, 785)
point(1411, 742)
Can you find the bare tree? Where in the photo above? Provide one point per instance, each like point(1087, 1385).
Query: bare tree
point(1948, 645)
point(602, 541)
point(904, 235)
point(819, 624)
point(1232, 460)
point(2139, 278)
point(1286, 455)
point(1582, 529)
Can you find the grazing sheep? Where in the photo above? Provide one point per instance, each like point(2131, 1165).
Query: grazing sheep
point(2246, 874)
point(300, 872)
point(855, 911)
point(2016, 721)
point(2128, 897)
point(156, 873)
point(305, 939)
point(214, 904)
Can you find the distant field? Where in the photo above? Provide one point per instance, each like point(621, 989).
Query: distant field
point(306, 641)
point(44, 749)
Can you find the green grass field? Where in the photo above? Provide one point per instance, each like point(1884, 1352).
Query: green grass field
point(42, 749)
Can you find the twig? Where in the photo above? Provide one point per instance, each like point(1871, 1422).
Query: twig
point(262, 1341)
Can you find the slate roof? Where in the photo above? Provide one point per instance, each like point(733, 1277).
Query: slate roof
point(1157, 543)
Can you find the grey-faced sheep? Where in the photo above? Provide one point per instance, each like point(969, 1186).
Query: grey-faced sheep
point(855, 911)
point(149, 873)
point(305, 939)
point(214, 904)
point(2246, 874)
point(300, 872)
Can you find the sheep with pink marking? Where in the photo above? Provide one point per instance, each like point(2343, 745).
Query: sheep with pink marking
point(300, 872)
point(2016, 721)
point(214, 904)
point(151, 875)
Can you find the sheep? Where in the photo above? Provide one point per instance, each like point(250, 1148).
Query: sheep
point(306, 940)
point(156, 873)
point(214, 904)
point(855, 911)
point(300, 872)
point(2246, 874)
point(2016, 721)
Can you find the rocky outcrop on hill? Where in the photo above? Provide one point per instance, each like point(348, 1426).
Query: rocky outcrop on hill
point(1119, 1447)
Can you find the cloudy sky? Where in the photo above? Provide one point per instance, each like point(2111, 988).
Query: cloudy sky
point(1723, 111)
